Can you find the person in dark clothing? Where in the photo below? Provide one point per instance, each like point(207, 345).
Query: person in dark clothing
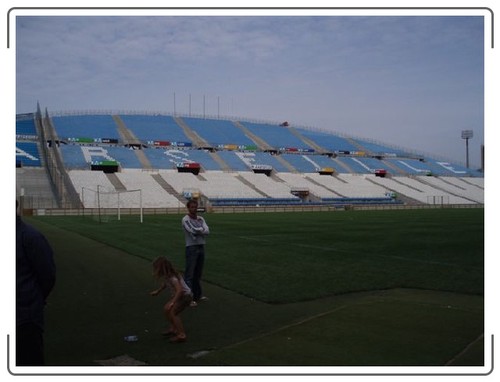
point(35, 279)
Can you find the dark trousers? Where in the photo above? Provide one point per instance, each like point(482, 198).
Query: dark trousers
point(29, 345)
point(195, 258)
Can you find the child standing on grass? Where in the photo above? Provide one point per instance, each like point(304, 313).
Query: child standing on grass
point(182, 296)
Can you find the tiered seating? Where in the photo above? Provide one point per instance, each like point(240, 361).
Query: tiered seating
point(410, 166)
point(85, 126)
point(27, 154)
point(328, 141)
point(87, 183)
point(213, 184)
point(300, 181)
point(200, 156)
point(354, 181)
point(270, 160)
point(125, 156)
point(244, 160)
point(238, 161)
point(153, 195)
point(300, 163)
point(379, 149)
point(80, 157)
point(26, 127)
point(218, 132)
point(161, 158)
point(418, 191)
point(349, 185)
point(226, 185)
point(356, 166)
point(455, 186)
point(268, 186)
point(154, 128)
point(276, 136)
point(444, 168)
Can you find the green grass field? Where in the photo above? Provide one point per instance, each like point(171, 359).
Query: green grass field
point(346, 288)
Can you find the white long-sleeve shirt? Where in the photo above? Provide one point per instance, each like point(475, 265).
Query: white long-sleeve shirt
point(195, 230)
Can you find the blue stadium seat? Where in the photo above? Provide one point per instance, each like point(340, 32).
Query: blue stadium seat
point(27, 154)
point(85, 126)
point(218, 132)
point(329, 141)
point(376, 148)
point(154, 128)
point(26, 127)
point(276, 136)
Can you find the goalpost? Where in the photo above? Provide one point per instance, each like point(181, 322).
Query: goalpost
point(111, 202)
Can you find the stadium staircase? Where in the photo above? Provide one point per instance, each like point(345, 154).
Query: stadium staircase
point(261, 144)
point(286, 164)
point(252, 186)
point(129, 138)
point(167, 187)
point(116, 182)
point(264, 146)
point(345, 166)
point(223, 165)
point(62, 186)
point(307, 141)
point(193, 136)
point(403, 198)
point(447, 191)
point(126, 135)
point(325, 187)
point(356, 144)
point(396, 169)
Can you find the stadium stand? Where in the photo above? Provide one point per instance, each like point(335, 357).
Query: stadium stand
point(218, 133)
point(25, 126)
point(94, 127)
point(276, 136)
point(240, 164)
point(330, 142)
point(151, 128)
point(27, 154)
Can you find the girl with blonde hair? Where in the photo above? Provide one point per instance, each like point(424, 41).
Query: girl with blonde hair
point(164, 271)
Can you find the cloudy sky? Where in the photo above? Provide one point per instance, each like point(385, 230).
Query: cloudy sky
point(410, 81)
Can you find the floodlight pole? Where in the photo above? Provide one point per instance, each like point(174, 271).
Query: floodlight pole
point(175, 114)
point(467, 134)
point(467, 152)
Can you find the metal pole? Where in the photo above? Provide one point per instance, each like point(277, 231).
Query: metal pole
point(140, 199)
point(98, 204)
point(467, 152)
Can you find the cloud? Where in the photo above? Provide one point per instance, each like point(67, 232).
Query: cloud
point(368, 76)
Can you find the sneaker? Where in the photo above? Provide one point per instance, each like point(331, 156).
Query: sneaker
point(193, 304)
point(203, 298)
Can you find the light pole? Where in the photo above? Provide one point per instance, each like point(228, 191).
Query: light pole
point(467, 134)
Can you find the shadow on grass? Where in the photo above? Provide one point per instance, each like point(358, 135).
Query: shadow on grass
point(102, 295)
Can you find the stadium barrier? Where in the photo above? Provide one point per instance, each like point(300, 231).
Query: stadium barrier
point(89, 212)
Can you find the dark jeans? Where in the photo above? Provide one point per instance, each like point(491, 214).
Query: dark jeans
point(195, 258)
point(29, 345)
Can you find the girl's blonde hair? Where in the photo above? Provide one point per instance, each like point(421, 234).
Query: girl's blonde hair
point(162, 267)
